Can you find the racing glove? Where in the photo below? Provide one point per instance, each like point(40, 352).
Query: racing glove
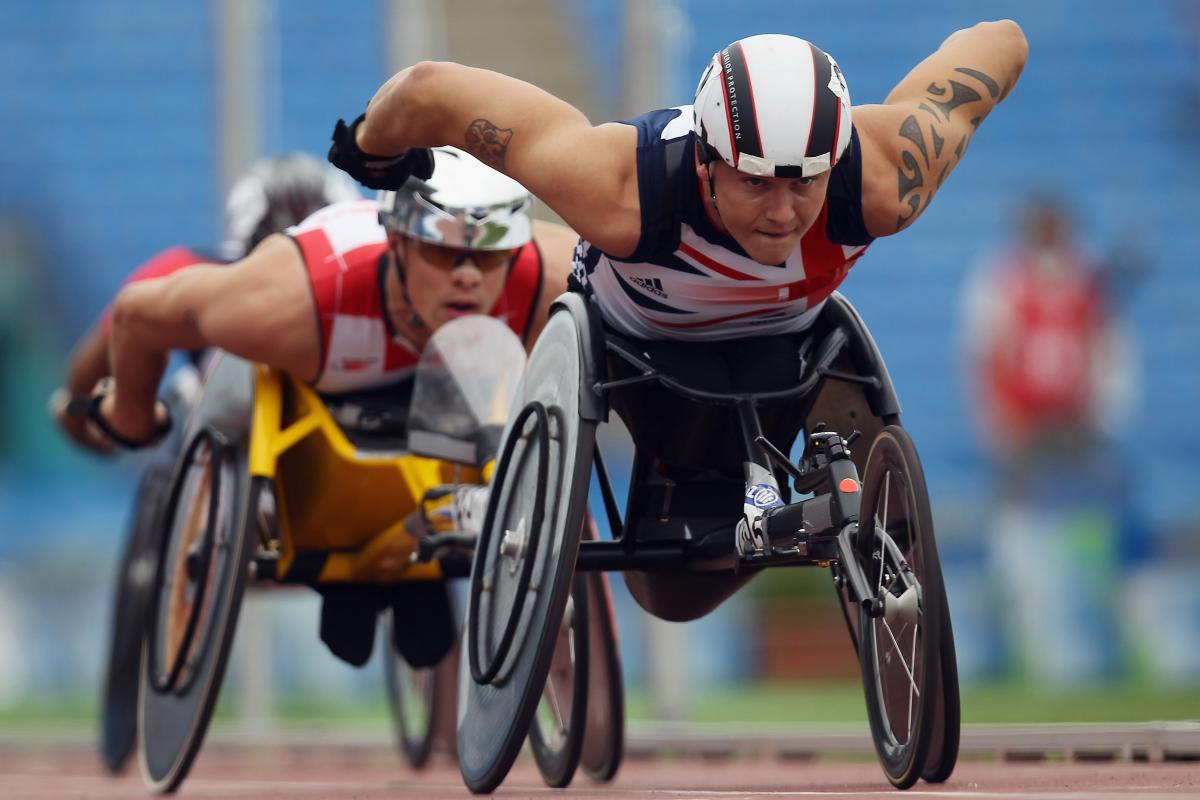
point(376, 172)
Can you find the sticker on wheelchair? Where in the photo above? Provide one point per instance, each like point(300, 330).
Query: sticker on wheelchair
point(465, 382)
point(763, 496)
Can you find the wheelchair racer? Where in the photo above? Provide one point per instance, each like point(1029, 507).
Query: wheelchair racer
point(273, 194)
point(730, 220)
point(346, 300)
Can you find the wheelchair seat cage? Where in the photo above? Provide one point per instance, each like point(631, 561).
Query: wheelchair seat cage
point(817, 531)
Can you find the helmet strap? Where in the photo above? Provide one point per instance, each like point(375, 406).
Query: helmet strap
point(712, 186)
point(706, 160)
point(414, 319)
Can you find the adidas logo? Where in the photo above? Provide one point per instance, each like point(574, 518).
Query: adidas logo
point(652, 285)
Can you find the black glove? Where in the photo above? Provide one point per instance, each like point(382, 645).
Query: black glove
point(377, 172)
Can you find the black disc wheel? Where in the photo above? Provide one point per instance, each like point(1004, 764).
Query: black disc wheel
point(131, 603)
point(521, 575)
point(900, 628)
point(943, 747)
point(604, 735)
point(205, 559)
point(556, 736)
point(413, 697)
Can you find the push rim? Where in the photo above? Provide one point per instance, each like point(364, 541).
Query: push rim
point(182, 618)
point(523, 550)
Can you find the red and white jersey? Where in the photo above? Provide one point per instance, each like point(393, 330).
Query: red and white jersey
point(1049, 325)
point(345, 252)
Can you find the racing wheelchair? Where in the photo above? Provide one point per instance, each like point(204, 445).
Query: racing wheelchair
point(709, 506)
point(276, 485)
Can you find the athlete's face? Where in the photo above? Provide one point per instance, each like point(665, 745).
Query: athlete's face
point(448, 282)
point(766, 216)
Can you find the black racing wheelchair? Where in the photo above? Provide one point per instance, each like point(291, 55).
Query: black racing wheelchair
point(707, 421)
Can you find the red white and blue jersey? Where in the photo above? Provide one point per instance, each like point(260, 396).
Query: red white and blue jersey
point(688, 280)
point(345, 252)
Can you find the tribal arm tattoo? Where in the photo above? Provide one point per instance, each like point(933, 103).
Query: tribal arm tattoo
point(488, 142)
point(923, 168)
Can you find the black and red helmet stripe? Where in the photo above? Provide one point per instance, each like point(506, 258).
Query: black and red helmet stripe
point(739, 102)
point(822, 135)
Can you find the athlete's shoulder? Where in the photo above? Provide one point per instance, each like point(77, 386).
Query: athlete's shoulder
point(662, 125)
point(664, 164)
point(845, 223)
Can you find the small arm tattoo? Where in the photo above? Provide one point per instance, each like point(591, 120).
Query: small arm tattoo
point(192, 320)
point(488, 142)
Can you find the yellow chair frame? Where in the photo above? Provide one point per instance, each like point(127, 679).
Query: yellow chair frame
point(336, 504)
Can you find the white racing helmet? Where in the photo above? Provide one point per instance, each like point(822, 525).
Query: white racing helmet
point(773, 105)
point(464, 204)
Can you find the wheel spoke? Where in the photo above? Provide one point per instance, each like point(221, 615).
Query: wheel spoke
point(552, 695)
point(900, 655)
point(912, 686)
point(887, 482)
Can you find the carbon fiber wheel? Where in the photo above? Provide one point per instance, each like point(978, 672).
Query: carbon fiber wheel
point(943, 748)
point(210, 534)
point(133, 597)
point(521, 576)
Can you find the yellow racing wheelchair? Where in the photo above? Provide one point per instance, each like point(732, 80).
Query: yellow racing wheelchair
point(278, 485)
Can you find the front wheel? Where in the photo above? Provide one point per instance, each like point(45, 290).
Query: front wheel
point(900, 631)
point(210, 524)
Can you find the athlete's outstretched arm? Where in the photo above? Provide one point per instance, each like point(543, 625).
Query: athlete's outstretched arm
point(918, 136)
point(586, 173)
point(260, 308)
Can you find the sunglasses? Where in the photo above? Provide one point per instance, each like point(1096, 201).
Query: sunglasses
point(449, 258)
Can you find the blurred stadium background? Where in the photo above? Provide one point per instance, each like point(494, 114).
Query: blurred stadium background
point(125, 121)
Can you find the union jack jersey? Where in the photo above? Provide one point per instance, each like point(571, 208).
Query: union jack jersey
point(687, 280)
point(345, 251)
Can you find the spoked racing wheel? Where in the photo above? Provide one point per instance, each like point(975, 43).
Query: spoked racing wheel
point(604, 734)
point(556, 736)
point(900, 644)
point(413, 695)
point(524, 561)
point(209, 539)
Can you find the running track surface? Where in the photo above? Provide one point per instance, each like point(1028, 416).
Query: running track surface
point(73, 772)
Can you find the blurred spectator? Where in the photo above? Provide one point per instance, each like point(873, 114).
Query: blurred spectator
point(1043, 354)
point(1049, 369)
